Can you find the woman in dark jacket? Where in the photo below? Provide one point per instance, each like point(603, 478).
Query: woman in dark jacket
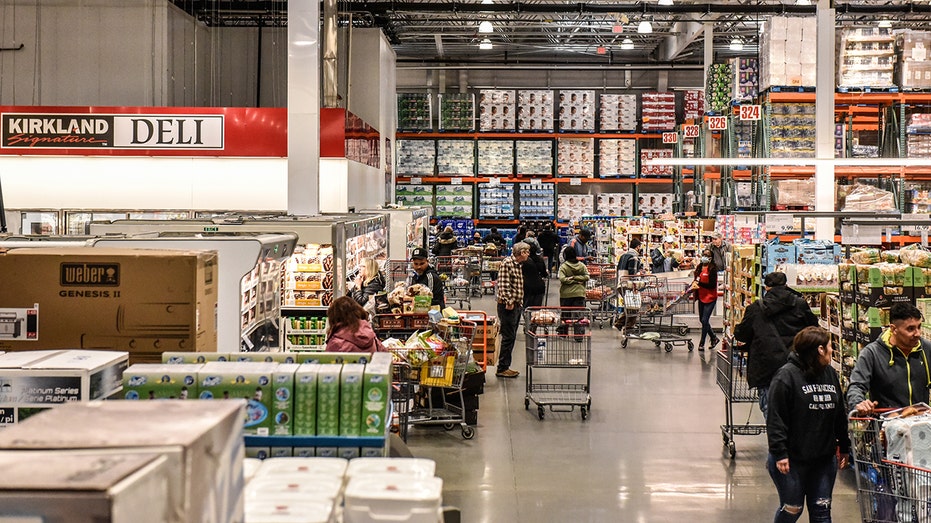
point(445, 243)
point(370, 282)
point(534, 270)
point(807, 423)
point(706, 288)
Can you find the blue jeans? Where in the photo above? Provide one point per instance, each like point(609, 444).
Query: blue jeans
point(763, 392)
point(704, 315)
point(509, 320)
point(812, 482)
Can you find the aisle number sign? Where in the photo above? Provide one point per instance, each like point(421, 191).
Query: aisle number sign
point(670, 137)
point(690, 131)
point(750, 112)
point(717, 123)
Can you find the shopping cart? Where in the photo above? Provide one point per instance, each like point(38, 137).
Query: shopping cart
point(648, 308)
point(457, 281)
point(397, 270)
point(558, 338)
point(731, 370)
point(601, 294)
point(472, 271)
point(490, 267)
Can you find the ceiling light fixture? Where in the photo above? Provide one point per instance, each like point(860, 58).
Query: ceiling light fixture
point(486, 2)
point(737, 44)
point(485, 45)
point(885, 24)
point(627, 44)
point(645, 27)
point(802, 2)
point(485, 27)
point(664, 2)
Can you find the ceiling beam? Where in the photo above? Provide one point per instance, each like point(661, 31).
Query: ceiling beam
point(438, 38)
point(682, 34)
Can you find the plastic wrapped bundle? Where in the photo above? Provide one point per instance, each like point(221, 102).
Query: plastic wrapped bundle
point(866, 198)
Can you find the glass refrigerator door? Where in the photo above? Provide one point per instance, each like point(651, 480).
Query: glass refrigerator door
point(39, 222)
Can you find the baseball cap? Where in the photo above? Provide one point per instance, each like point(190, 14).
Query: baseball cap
point(419, 254)
point(774, 279)
point(715, 235)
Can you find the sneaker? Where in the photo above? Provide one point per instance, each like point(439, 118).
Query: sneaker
point(714, 343)
point(507, 373)
point(701, 348)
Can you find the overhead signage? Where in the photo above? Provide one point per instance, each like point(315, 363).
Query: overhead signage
point(750, 112)
point(717, 123)
point(670, 137)
point(690, 131)
point(68, 131)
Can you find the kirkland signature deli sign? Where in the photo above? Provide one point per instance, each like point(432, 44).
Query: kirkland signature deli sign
point(112, 131)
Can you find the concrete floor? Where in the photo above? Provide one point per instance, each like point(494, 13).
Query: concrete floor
point(651, 449)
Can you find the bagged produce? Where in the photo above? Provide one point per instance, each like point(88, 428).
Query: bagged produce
point(866, 256)
point(916, 255)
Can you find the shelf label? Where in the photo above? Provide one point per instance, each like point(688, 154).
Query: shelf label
point(455, 181)
point(670, 137)
point(750, 112)
point(494, 181)
point(915, 217)
point(779, 223)
point(861, 234)
point(416, 181)
point(536, 181)
point(211, 228)
point(717, 123)
point(690, 131)
point(575, 181)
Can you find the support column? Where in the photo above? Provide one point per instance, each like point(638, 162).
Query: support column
point(824, 121)
point(303, 107)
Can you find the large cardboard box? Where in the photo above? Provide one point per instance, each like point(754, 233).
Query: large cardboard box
point(202, 441)
point(84, 488)
point(144, 302)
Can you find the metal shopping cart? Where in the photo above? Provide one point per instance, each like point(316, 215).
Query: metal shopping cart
point(648, 308)
point(558, 338)
point(731, 366)
point(457, 282)
point(397, 270)
point(490, 267)
point(601, 293)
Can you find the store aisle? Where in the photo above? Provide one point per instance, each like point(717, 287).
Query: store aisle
point(651, 449)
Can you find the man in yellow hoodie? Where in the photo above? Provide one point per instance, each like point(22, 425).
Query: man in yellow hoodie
point(893, 370)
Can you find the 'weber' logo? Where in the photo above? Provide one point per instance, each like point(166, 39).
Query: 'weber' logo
point(98, 274)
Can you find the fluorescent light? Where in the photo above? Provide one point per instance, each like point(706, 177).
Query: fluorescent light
point(885, 24)
point(486, 2)
point(627, 44)
point(802, 2)
point(664, 2)
point(645, 27)
point(737, 44)
point(485, 45)
point(485, 27)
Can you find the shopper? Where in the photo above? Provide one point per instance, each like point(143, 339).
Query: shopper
point(424, 274)
point(662, 258)
point(629, 263)
point(531, 240)
point(580, 244)
point(446, 243)
point(348, 328)
point(768, 328)
point(521, 233)
point(893, 370)
point(370, 281)
point(510, 296)
point(549, 241)
point(535, 275)
point(719, 249)
point(573, 275)
point(807, 423)
point(476, 239)
point(494, 237)
point(706, 287)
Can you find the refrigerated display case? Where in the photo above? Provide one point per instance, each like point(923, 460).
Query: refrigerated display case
point(77, 221)
point(407, 229)
point(39, 222)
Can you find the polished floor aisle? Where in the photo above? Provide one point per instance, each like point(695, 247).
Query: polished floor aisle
point(651, 449)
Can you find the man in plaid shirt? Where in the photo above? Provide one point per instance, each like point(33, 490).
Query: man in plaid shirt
point(510, 294)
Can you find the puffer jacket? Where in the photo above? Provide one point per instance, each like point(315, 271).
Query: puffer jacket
point(572, 277)
point(888, 376)
point(362, 340)
point(445, 244)
point(373, 287)
point(782, 312)
point(534, 269)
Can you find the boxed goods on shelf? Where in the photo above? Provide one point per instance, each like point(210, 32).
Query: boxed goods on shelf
point(720, 88)
point(914, 71)
point(786, 57)
point(746, 78)
point(415, 111)
point(775, 253)
point(496, 110)
point(535, 110)
point(794, 193)
point(658, 111)
point(537, 201)
point(534, 157)
point(575, 157)
point(571, 207)
point(793, 130)
point(496, 157)
point(882, 284)
point(654, 203)
point(866, 198)
point(457, 112)
point(309, 277)
point(577, 110)
point(496, 201)
point(455, 157)
point(656, 171)
point(161, 381)
point(694, 104)
point(816, 251)
point(920, 283)
point(614, 204)
point(618, 112)
point(866, 57)
point(617, 158)
point(416, 157)
point(419, 195)
point(454, 201)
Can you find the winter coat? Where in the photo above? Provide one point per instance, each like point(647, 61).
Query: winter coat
point(373, 287)
point(497, 239)
point(660, 262)
point(630, 262)
point(548, 241)
point(432, 280)
point(534, 269)
point(888, 376)
point(572, 277)
point(581, 248)
point(445, 244)
point(719, 255)
point(362, 340)
point(806, 418)
point(534, 244)
point(782, 312)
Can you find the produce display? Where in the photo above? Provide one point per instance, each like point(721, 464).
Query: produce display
point(720, 88)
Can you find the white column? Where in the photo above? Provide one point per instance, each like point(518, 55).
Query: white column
point(303, 107)
point(824, 121)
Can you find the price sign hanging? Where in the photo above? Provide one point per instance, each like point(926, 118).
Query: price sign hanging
point(750, 112)
point(690, 131)
point(670, 137)
point(717, 123)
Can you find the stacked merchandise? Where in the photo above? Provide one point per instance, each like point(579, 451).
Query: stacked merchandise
point(915, 64)
point(919, 135)
point(415, 112)
point(534, 157)
point(794, 193)
point(496, 157)
point(917, 198)
point(455, 157)
point(655, 171)
point(720, 88)
point(867, 57)
point(457, 112)
point(744, 284)
point(694, 104)
point(454, 201)
point(571, 207)
point(739, 229)
point(658, 111)
point(617, 158)
point(496, 201)
point(812, 281)
point(305, 333)
point(537, 201)
point(744, 194)
point(463, 229)
point(577, 110)
point(416, 157)
point(496, 110)
point(415, 195)
point(535, 110)
point(786, 56)
point(365, 489)
point(690, 236)
point(654, 203)
point(793, 130)
point(746, 78)
point(615, 204)
point(575, 157)
point(618, 112)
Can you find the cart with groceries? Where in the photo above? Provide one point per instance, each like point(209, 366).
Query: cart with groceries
point(457, 284)
point(559, 345)
point(647, 309)
point(601, 292)
point(731, 372)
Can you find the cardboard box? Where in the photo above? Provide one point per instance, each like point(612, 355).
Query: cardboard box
point(328, 381)
point(249, 381)
point(283, 400)
point(376, 395)
point(161, 381)
point(140, 301)
point(84, 488)
point(202, 441)
point(305, 402)
point(204, 357)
